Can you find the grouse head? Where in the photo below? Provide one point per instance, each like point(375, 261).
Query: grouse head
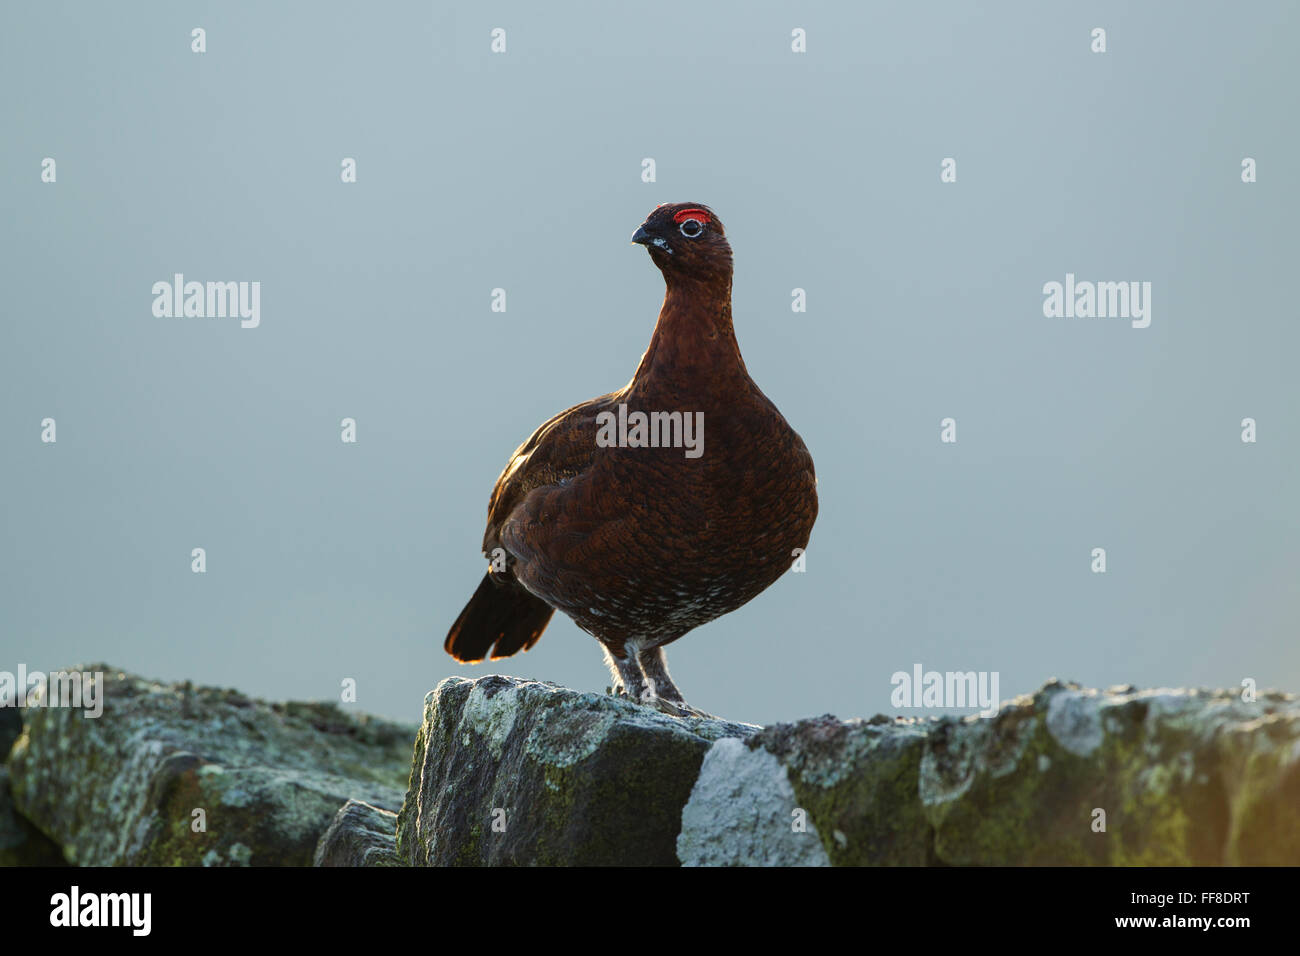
point(686, 239)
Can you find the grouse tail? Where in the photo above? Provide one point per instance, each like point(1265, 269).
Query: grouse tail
point(499, 620)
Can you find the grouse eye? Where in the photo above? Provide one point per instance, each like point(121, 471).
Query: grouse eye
point(691, 228)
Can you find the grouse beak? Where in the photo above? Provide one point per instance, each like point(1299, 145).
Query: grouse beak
point(654, 242)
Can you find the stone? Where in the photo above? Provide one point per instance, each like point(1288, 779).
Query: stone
point(21, 844)
point(508, 771)
point(361, 835)
point(515, 772)
point(742, 811)
point(173, 774)
point(1067, 776)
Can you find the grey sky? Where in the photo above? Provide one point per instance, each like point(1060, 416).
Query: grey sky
point(522, 171)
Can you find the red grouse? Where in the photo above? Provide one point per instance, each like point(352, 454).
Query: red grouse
point(647, 512)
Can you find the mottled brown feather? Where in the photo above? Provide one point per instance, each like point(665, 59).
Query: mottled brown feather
point(645, 544)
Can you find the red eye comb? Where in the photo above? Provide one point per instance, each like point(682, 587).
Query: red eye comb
point(699, 214)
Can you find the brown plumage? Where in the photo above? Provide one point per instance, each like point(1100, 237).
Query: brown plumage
point(639, 545)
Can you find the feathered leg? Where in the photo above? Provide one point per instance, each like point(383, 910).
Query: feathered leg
point(628, 680)
point(666, 696)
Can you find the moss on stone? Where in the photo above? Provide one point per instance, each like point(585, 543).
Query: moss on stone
point(121, 790)
point(582, 778)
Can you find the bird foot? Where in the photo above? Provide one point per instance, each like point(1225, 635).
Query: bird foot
point(675, 708)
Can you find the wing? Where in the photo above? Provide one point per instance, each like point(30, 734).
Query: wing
point(560, 450)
